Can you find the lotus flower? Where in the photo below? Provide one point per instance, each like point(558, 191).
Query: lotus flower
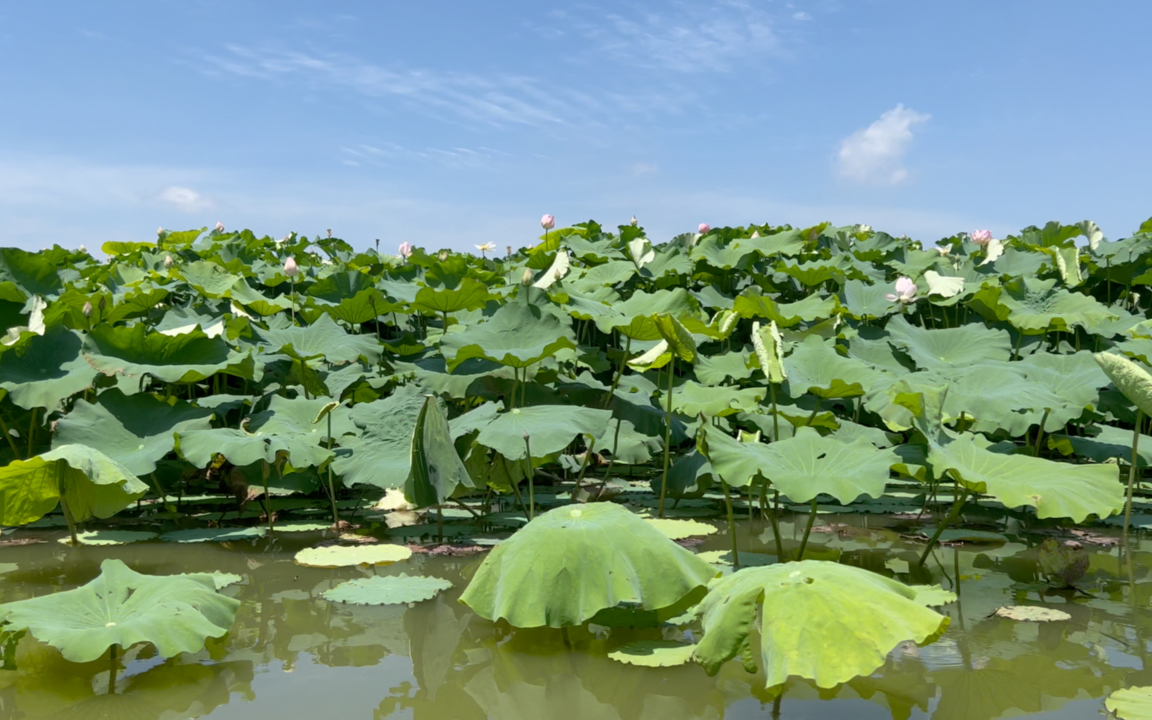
point(704, 228)
point(291, 269)
point(980, 237)
point(547, 222)
point(905, 291)
point(83, 249)
point(168, 262)
point(87, 309)
point(944, 249)
point(443, 255)
point(219, 226)
point(634, 221)
point(405, 249)
point(755, 234)
point(160, 231)
point(486, 247)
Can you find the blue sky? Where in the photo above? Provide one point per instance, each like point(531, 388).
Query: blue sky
point(450, 124)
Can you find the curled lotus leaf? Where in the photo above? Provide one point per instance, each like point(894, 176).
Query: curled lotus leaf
point(122, 607)
point(820, 620)
point(769, 347)
point(91, 483)
point(570, 563)
point(1129, 378)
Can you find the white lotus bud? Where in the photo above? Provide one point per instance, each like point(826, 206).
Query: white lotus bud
point(87, 310)
point(291, 269)
point(527, 277)
point(634, 221)
point(168, 262)
point(219, 227)
point(160, 231)
point(443, 255)
point(83, 249)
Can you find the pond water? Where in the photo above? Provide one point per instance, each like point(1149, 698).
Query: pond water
point(291, 654)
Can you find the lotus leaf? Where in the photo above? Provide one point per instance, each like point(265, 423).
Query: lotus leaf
point(436, 471)
point(517, 335)
point(550, 427)
point(820, 620)
point(1134, 703)
point(387, 590)
point(133, 351)
point(110, 537)
point(1032, 613)
point(812, 308)
point(39, 371)
point(199, 535)
point(950, 347)
point(468, 295)
point(335, 556)
point(89, 482)
point(1129, 378)
point(323, 338)
point(123, 607)
point(814, 367)
point(680, 529)
point(135, 430)
point(572, 562)
point(653, 653)
point(1036, 306)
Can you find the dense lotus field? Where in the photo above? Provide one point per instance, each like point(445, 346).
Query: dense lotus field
point(564, 412)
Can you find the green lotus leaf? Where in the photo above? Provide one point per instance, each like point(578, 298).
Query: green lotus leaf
point(820, 620)
point(238, 446)
point(653, 653)
point(633, 317)
point(134, 430)
point(24, 273)
point(1106, 443)
point(962, 346)
point(1129, 378)
point(387, 590)
point(199, 535)
point(692, 398)
point(803, 466)
point(680, 529)
point(751, 303)
point(1134, 703)
point(816, 368)
point(516, 335)
point(109, 537)
point(133, 351)
point(298, 419)
point(867, 302)
point(323, 338)
point(934, 595)
point(1056, 490)
point(40, 371)
point(1035, 306)
point(436, 470)
point(122, 607)
point(570, 563)
point(470, 294)
point(679, 340)
point(654, 358)
point(716, 369)
point(334, 556)
point(88, 481)
point(817, 272)
point(632, 447)
point(380, 452)
point(550, 429)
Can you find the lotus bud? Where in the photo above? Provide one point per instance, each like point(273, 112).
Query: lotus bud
point(83, 249)
point(547, 222)
point(329, 232)
point(168, 262)
point(405, 249)
point(980, 237)
point(103, 304)
point(219, 226)
point(160, 231)
point(87, 309)
point(443, 255)
point(704, 228)
point(291, 269)
point(526, 436)
point(527, 277)
point(634, 221)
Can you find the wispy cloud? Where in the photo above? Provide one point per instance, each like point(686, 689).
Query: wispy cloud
point(183, 198)
point(498, 101)
point(389, 152)
point(875, 154)
point(685, 37)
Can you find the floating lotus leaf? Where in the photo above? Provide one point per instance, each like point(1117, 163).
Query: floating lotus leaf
point(1129, 378)
point(123, 607)
point(804, 466)
point(516, 335)
point(550, 429)
point(134, 351)
point(110, 537)
point(1032, 613)
point(1134, 703)
point(387, 590)
point(90, 482)
point(680, 529)
point(340, 556)
point(301, 527)
point(135, 430)
point(930, 595)
point(39, 371)
point(820, 620)
point(572, 562)
point(653, 653)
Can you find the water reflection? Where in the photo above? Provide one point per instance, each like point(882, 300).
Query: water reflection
point(438, 660)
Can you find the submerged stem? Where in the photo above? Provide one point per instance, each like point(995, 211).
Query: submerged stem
point(952, 515)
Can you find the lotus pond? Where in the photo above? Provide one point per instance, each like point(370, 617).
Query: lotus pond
point(749, 472)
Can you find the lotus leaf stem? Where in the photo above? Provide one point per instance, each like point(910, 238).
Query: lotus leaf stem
point(1040, 432)
point(267, 501)
point(1132, 471)
point(953, 514)
point(584, 465)
point(531, 480)
point(772, 517)
point(31, 431)
point(331, 485)
point(160, 492)
point(64, 503)
point(667, 434)
point(8, 437)
point(808, 529)
point(775, 414)
point(112, 669)
point(619, 372)
point(731, 524)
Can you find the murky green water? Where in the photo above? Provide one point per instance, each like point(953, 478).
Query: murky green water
point(291, 654)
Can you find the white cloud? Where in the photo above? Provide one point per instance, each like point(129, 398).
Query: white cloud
point(183, 198)
point(644, 168)
point(873, 156)
point(801, 16)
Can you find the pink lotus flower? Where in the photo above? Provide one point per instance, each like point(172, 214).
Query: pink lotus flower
point(980, 237)
point(405, 249)
point(905, 291)
point(291, 269)
point(547, 222)
point(704, 228)
point(219, 227)
point(755, 234)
